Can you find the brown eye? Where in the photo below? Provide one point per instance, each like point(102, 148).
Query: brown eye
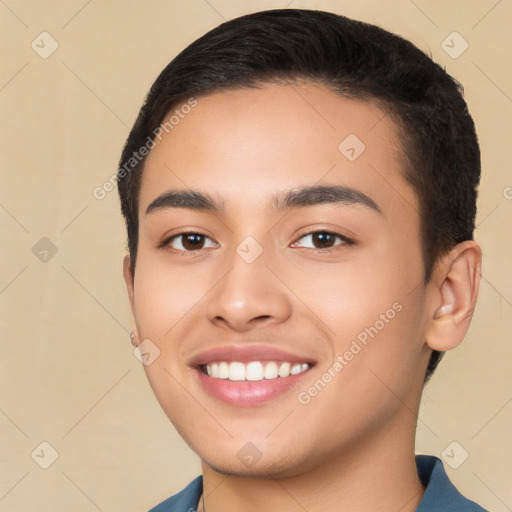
point(189, 242)
point(322, 240)
point(193, 241)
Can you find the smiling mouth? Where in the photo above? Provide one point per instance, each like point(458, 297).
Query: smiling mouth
point(253, 371)
point(250, 375)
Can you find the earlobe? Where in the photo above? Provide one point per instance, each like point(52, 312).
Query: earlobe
point(456, 282)
point(134, 337)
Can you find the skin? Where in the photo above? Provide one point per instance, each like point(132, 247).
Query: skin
point(352, 446)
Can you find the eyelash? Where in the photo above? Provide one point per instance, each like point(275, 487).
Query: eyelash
point(346, 241)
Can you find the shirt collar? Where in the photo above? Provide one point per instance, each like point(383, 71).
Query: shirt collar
point(440, 493)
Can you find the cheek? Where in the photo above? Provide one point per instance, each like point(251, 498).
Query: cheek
point(372, 310)
point(165, 381)
point(164, 295)
point(350, 295)
point(383, 351)
point(374, 369)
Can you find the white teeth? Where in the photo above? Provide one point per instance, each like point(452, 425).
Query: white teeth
point(271, 370)
point(223, 370)
point(236, 371)
point(253, 371)
point(296, 368)
point(284, 370)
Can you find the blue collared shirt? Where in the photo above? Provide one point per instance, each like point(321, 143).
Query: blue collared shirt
point(440, 494)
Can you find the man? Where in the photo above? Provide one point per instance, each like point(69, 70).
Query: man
point(300, 194)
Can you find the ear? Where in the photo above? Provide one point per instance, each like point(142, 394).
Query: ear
point(456, 281)
point(129, 280)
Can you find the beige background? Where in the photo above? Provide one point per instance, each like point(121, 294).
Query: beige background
point(68, 374)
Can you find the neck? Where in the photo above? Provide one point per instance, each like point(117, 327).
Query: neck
point(376, 473)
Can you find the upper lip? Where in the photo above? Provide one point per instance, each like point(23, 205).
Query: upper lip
point(246, 354)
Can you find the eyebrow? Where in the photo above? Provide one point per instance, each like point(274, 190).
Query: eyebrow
point(310, 196)
point(295, 198)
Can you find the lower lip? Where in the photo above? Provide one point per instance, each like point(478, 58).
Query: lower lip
point(248, 393)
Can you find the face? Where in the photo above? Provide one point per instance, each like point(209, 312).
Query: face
point(290, 317)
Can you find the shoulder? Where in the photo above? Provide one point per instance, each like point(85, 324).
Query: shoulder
point(440, 494)
point(184, 501)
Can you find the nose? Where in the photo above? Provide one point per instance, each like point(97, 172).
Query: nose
point(249, 296)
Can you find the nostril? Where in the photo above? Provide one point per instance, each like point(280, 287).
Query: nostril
point(259, 319)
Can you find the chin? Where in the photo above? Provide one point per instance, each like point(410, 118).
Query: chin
point(268, 464)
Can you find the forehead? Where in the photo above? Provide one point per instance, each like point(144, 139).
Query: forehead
point(245, 145)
